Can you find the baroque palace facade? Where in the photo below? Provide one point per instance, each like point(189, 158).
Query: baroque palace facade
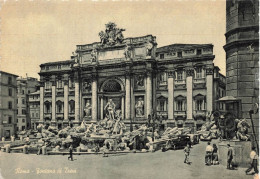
point(178, 82)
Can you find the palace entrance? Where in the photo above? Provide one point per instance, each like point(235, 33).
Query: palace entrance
point(111, 98)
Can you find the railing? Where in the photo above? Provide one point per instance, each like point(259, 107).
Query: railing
point(180, 113)
point(180, 82)
point(199, 80)
point(59, 114)
point(200, 112)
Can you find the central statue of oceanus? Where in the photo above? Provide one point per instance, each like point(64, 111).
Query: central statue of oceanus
point(112, 35)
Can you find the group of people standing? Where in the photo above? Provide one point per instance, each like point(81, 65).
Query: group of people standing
point(211, 157)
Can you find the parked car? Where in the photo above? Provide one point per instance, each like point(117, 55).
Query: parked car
point(178, 142)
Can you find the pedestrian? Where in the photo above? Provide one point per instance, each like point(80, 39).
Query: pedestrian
point(230, 156)
point(71, 153)
point(215, 155)
point(187, 153)
point(209, 150)
point(254, 158)
point(39, 150)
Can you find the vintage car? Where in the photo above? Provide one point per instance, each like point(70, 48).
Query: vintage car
point(205, 136)
point(178, 142)
point(194, 138)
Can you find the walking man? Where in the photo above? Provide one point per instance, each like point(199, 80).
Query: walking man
point(230, 156)
point(70, 150)
point(187, 153)
point(253, 157)
point(209, 150)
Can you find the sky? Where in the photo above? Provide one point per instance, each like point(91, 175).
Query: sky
point(36, 32)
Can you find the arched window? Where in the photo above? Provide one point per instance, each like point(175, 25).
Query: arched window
point(47, 106)
point(71, 106)
point(59, 107)
point(200, 102)
point(180, 103)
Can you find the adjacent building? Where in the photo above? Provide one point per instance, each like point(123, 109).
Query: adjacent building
point(34, 108)
point(8, 104)
point(242, 57)
point(25, 86)
point(178, 82)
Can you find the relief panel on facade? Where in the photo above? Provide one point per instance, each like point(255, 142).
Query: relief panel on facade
point(139, 82)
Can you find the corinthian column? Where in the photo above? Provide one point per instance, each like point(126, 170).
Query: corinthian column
point(171, 95)
point(76, 97)
point(128, 97)
point(41, 101)
point(94, 98)
point(209, 84)
point(66, 101)
point(189, 83)
point(53, 102)
point(148, 91)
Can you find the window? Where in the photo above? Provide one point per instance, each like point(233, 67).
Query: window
point(59, 84)
point(199, 72)
point(22, 91)
point(23, 127)
point(10, 91)
point(59, 66)
point(10, 105)
point(163, 78)
point(47, 107)
point(179, 75)
point(71, 106)
point(179, 106)
point(23, 120)
point(47, 85)
point(162, 56)
point(162, 104)
point(10, 120)
point(36, 114)
point(32, 114)
point(9, 80)
point(23, 101)
point(198, 51)
point(179, 54)
point(29, 91)
point(71, 82)
point(199, 104)
point(17, 101)
point(23, 111)
point(59, 107)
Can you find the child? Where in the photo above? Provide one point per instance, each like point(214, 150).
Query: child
point(187, 153)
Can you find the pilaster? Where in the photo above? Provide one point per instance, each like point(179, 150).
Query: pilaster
point(128, 96)
point(171, 95)
point(209, 85)
point(189, 83)
point(94, 98)
point(149, 88)
point(41, 101)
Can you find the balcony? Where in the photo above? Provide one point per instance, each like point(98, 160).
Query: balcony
point(180, 82)
point(47, 115)
point(200, 114)
point(199, 80)
point(162, 113)
point(179, 113)
point(59, 115)
point(47, 89)
point(71, 114)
